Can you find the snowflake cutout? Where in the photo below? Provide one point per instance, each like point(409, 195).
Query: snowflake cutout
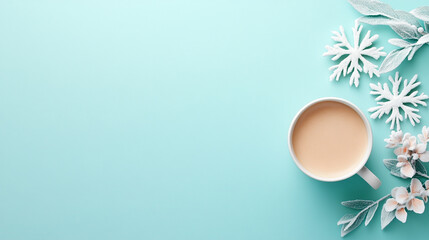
point(353, 55)
point(396, 101)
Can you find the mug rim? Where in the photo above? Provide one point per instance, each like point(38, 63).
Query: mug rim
point(368, 130)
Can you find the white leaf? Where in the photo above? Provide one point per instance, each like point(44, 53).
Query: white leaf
point(394, 59)
point(376, 20)
point(397, 173)
point(399, 42)
point(421, 13)
point(413, 51)
point(370, 214)
point(373, 8)
point(357, 204)
point(345, 219)
point(347, 228)
point(407, 17)
point(405, 31)
point(423, 40)
point(386, 217)
point(402, 28)
point(390, 163)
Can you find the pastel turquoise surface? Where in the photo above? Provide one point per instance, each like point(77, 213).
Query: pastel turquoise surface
point(169, 119)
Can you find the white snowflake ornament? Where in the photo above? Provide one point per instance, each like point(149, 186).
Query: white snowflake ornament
point(353, 55)
point(396, 100)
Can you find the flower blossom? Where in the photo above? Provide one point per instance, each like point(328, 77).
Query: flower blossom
point(408, 150)
point(424, 137)
point(395, 139)
point(403, 200)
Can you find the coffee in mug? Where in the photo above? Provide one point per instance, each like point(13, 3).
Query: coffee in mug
point(330, 140)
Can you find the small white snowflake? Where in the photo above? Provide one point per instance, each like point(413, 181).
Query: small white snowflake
point(395, 101)
point(353, 54)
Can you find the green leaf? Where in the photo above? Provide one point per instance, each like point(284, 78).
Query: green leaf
point(390, 163)
point(386, 217)
point(405, 30)
point(376, 20)
point(423, 40)
point(373, 8)
point(357, 204)
point(421, 13)
point(413, 51)
point(396, 172)
point(408, 17)
point(346, 218)
point(394, 59)
point(399, 42)
point(370, 214)
point(347, 228)
point(402, 28)
point(361, 215)
point(419, 167)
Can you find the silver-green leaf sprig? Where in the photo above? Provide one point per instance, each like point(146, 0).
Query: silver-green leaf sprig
point(367, 209)
point(399, 201)
point(412, 26)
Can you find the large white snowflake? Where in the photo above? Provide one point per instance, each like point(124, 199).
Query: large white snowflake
point(353, 55)
point(395, 101)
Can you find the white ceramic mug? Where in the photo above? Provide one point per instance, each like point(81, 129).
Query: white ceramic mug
point(361, 170)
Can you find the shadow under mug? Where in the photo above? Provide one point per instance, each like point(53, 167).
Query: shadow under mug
point(361, 170)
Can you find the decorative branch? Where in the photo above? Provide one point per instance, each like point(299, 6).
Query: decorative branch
point(401, 200)
point(413, 26)
point(409, 163)
point(350, 222)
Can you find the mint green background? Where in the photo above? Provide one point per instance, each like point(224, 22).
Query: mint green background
point(169, 119)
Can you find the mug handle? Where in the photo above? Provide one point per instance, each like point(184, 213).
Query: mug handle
point(369, 177)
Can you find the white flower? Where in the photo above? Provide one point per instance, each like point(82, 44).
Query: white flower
point(424, 157)
point(394, 139)
point(407, 169)
point(405, 148)
point(407, 100)
point(416, 148)
point(400, 194)
point(398, 202)
point(411, 142)
point(401, 199)
point(424, 137)
point(403, 154)
point(353, 55)
point(410, 149)
point(416, 190)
